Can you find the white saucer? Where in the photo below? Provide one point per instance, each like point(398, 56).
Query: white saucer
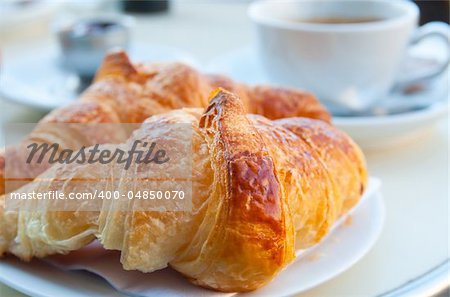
point(343, 247)
point(34, 77)
point(13, 14)
point(384, 132)
point(370, 132)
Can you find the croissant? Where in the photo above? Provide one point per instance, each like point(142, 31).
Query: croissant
point(127, 93)
point(261, 189)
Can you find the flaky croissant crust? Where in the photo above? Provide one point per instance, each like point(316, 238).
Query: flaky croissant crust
point(261, 190)
point(130, 93)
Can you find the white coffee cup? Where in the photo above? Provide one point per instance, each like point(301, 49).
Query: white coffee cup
point(350, 65)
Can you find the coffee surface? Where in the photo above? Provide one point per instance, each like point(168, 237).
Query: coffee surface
point(337, 20)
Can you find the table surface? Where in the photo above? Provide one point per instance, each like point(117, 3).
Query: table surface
point(415, 187)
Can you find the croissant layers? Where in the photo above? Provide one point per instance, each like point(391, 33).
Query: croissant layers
point(130, 93)
point(261, 189)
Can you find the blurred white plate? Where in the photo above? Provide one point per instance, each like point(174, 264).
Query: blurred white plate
point(370, 132)
point(35, 78)
point(15, 13)
point(373, 133)
point(344, 246)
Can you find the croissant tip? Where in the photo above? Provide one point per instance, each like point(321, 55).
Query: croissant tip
point(222, 94)
point(218, 91)
point(116, 55)
point(116, 61)
point(224, 99)
point(116, 50)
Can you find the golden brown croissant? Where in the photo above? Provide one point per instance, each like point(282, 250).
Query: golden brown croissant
point(127, 93)
point(261, 189)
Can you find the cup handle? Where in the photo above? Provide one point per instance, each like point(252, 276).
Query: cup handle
point(432, 29)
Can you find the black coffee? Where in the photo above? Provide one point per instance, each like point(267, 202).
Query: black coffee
point(338, 20)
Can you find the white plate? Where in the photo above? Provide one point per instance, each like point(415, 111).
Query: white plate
point(345, 245)
point(16, 15)
point(370, 132)
point(34, 78)
point(385, 132)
